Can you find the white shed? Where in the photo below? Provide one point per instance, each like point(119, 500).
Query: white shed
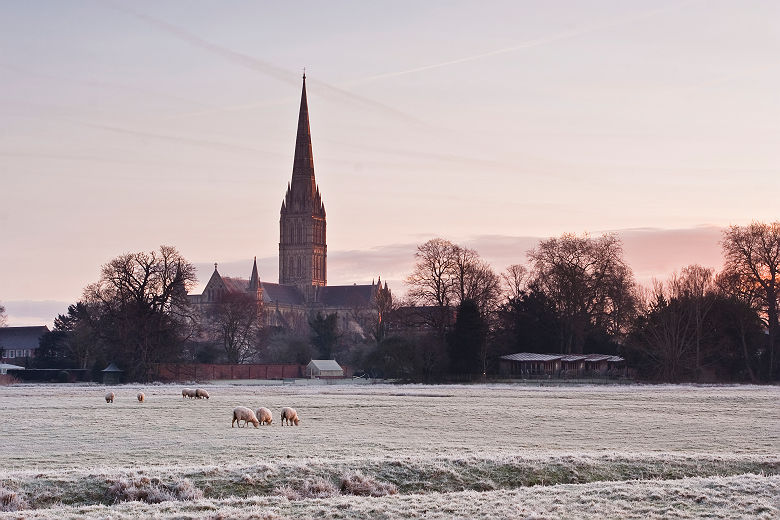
point(5, 367)
point(324, 368)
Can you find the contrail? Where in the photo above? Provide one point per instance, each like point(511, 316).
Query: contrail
point(262, 67)
point(99, 84)
point(179, 139)
point(527, 44)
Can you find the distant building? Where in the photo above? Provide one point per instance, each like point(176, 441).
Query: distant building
point(18, 344)
point(324, 368)
point(112, 374)
point(302, 288)
point(560, 365)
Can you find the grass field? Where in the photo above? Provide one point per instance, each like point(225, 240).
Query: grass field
point(385, 451)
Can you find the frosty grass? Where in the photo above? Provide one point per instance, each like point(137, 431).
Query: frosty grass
point(385, 451)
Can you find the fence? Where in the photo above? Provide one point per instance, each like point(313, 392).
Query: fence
point(203, 371)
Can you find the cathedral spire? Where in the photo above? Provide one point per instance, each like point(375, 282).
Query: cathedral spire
point(303, 164)
point(254, 281)
point(302, 245)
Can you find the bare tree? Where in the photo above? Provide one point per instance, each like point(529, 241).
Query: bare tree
point(141, 308)
point(728, 285)
point(432, 281)
point(515, 280)
point(374, 320)
point(752, 259)
point(665, 334)
point(234, 324)
point(698, 288)
point(3, 316)
point(447, 274)
point(589, 283)
point(475, 280)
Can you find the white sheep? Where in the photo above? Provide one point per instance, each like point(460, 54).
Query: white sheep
point(110, 397)
point(290, 415)
point(141, 397)
point(200, 394)
point(242, 413)
point(188, 392)
point(264, 415)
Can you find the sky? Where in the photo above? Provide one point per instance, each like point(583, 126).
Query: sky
point(127, 125)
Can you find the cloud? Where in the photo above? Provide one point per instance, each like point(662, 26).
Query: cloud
point(23, 313)
point(651, 253)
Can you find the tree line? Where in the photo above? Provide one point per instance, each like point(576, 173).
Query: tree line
point(577, 295)
point(572, 294)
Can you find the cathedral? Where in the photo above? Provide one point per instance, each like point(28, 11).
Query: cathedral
point(303, 288)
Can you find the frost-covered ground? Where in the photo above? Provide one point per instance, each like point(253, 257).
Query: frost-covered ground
point(422, 451)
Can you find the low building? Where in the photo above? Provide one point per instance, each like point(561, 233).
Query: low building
point(19, 344)
point(5, 367)
point(525, 364)
point(324, 368)
point(112, 374)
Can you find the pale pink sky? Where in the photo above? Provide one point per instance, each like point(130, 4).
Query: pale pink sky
point(126, 125)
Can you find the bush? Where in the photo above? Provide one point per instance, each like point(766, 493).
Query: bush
point(359, 484)
point(152, 491)
point(11, 501)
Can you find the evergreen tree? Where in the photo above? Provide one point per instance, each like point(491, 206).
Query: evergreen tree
point(467, 340)
point(324, 334)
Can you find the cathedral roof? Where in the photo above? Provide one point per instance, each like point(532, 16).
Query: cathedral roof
point(347, 295)
point(285, 294)
point(235, 285)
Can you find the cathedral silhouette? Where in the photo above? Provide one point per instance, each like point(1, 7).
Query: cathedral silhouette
point(302, 290)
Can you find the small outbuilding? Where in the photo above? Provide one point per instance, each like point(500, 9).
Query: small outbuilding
point(112, 374)
point(324, 368)
point(5, 367)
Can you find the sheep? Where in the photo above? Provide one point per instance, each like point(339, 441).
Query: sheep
point(242, 413)
point(290, 415)
point(264, 415)
point(110, 397)
point(188, 392)
point(200, 393)
point(141, 397)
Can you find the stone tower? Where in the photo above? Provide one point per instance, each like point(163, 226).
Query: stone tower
point(302, 247)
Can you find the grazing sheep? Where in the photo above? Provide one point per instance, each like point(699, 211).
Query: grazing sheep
point(110, 397)
point(264, 416)
point(188, 392)
point(290, 415)
point(141, 397)
point(242, 413)
point(200, 393)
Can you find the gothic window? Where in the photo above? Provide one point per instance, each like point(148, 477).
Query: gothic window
point(300, 267)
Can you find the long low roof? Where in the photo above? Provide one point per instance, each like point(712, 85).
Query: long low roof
point(531, 356)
